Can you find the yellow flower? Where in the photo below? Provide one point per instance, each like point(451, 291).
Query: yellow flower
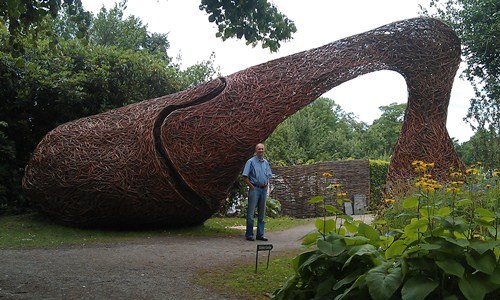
point(327, 175)
point(340, 195)
point(417, 163)
point(428, 188)
point(389, 200)
point(336, 185)
point(472, 171)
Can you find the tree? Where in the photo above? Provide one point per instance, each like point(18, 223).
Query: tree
point(382, 135)
point(482, 147)
point(477, 23)
point(109, 28)
point(256, 21)
point(320, 131)
point(44, 87)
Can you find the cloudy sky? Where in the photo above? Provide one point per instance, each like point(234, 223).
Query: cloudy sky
point(192, 38)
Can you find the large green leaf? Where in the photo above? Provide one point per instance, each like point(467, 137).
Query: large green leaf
point(368, 232)
point(333, 210)
point(463, 202)
point(429, 246)
point(452, 267)
point(417, 288)
point(347, 279)
point(331, 248)
point(482, 246)
point(396, 249)
point(495, 276)
point(301, 258)
point(360, 250)
point(310, 239)
point(317, 199)
point(410, 202)
point(324, 289)
point(482, 212)
point(305, 262)
point(443, 211)
point(352, 227)
point(416, 226)
point(485, 262)
point(459, 242)
point(359, 281)
point(472, 288)
point(325, 226)
point(356, 240)
point(383, 281)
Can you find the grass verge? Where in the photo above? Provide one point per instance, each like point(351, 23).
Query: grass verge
point(35, 231)
point(240, 278)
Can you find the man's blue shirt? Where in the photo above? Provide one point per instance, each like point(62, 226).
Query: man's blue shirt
point(258, 171)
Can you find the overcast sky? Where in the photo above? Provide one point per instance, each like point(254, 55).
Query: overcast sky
point(318, 22)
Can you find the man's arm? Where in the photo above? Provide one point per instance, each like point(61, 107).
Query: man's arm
point(245, 178)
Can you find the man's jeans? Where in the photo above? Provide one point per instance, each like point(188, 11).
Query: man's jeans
point(256, 199)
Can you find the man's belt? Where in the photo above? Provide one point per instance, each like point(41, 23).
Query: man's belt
point(260, 186)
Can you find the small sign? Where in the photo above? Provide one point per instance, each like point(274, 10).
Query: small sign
point(263, 247)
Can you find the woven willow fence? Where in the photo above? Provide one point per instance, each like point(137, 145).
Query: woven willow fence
point(294, 186)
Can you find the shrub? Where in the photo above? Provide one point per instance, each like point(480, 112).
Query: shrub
point(378, 178)
point(447, 247)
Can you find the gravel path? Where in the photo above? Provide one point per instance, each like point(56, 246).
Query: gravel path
point(158, 268)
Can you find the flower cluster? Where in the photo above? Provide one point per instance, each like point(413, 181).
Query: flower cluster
point(335, 188)
point(421, 167)
point(427, 184)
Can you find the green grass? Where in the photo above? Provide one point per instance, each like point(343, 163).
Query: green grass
point(35, 231)
point(240, 278)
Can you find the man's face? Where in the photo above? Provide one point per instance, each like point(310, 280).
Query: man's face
point(259, 150)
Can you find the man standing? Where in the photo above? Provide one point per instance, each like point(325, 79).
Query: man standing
point(256, 174)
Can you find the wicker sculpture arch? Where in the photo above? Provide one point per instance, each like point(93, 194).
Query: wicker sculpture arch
point(170, 161)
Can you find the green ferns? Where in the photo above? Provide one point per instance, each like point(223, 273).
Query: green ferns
point(446, 247)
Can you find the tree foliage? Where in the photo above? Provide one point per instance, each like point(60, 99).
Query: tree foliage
point(478, 25)
point(319, 131)
point(381, 136)
point(482, 147)
point(255, 21)
point(323, 131)
point(45, 86)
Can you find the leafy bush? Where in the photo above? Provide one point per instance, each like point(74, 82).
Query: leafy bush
point(273, 208)
point(378, 178)
point(447, 248)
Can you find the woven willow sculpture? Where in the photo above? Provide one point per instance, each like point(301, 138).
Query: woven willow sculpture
point(170, 161)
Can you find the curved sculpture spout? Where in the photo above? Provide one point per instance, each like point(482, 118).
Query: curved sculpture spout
point(170, 161)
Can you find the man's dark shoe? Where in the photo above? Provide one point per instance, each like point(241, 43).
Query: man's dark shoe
point(250, 239)
point(262, 239)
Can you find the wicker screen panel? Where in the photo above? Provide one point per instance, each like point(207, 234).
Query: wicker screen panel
point(171, 161)
point(294, 186)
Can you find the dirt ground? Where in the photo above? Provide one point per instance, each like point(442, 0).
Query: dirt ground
point(157, 268)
